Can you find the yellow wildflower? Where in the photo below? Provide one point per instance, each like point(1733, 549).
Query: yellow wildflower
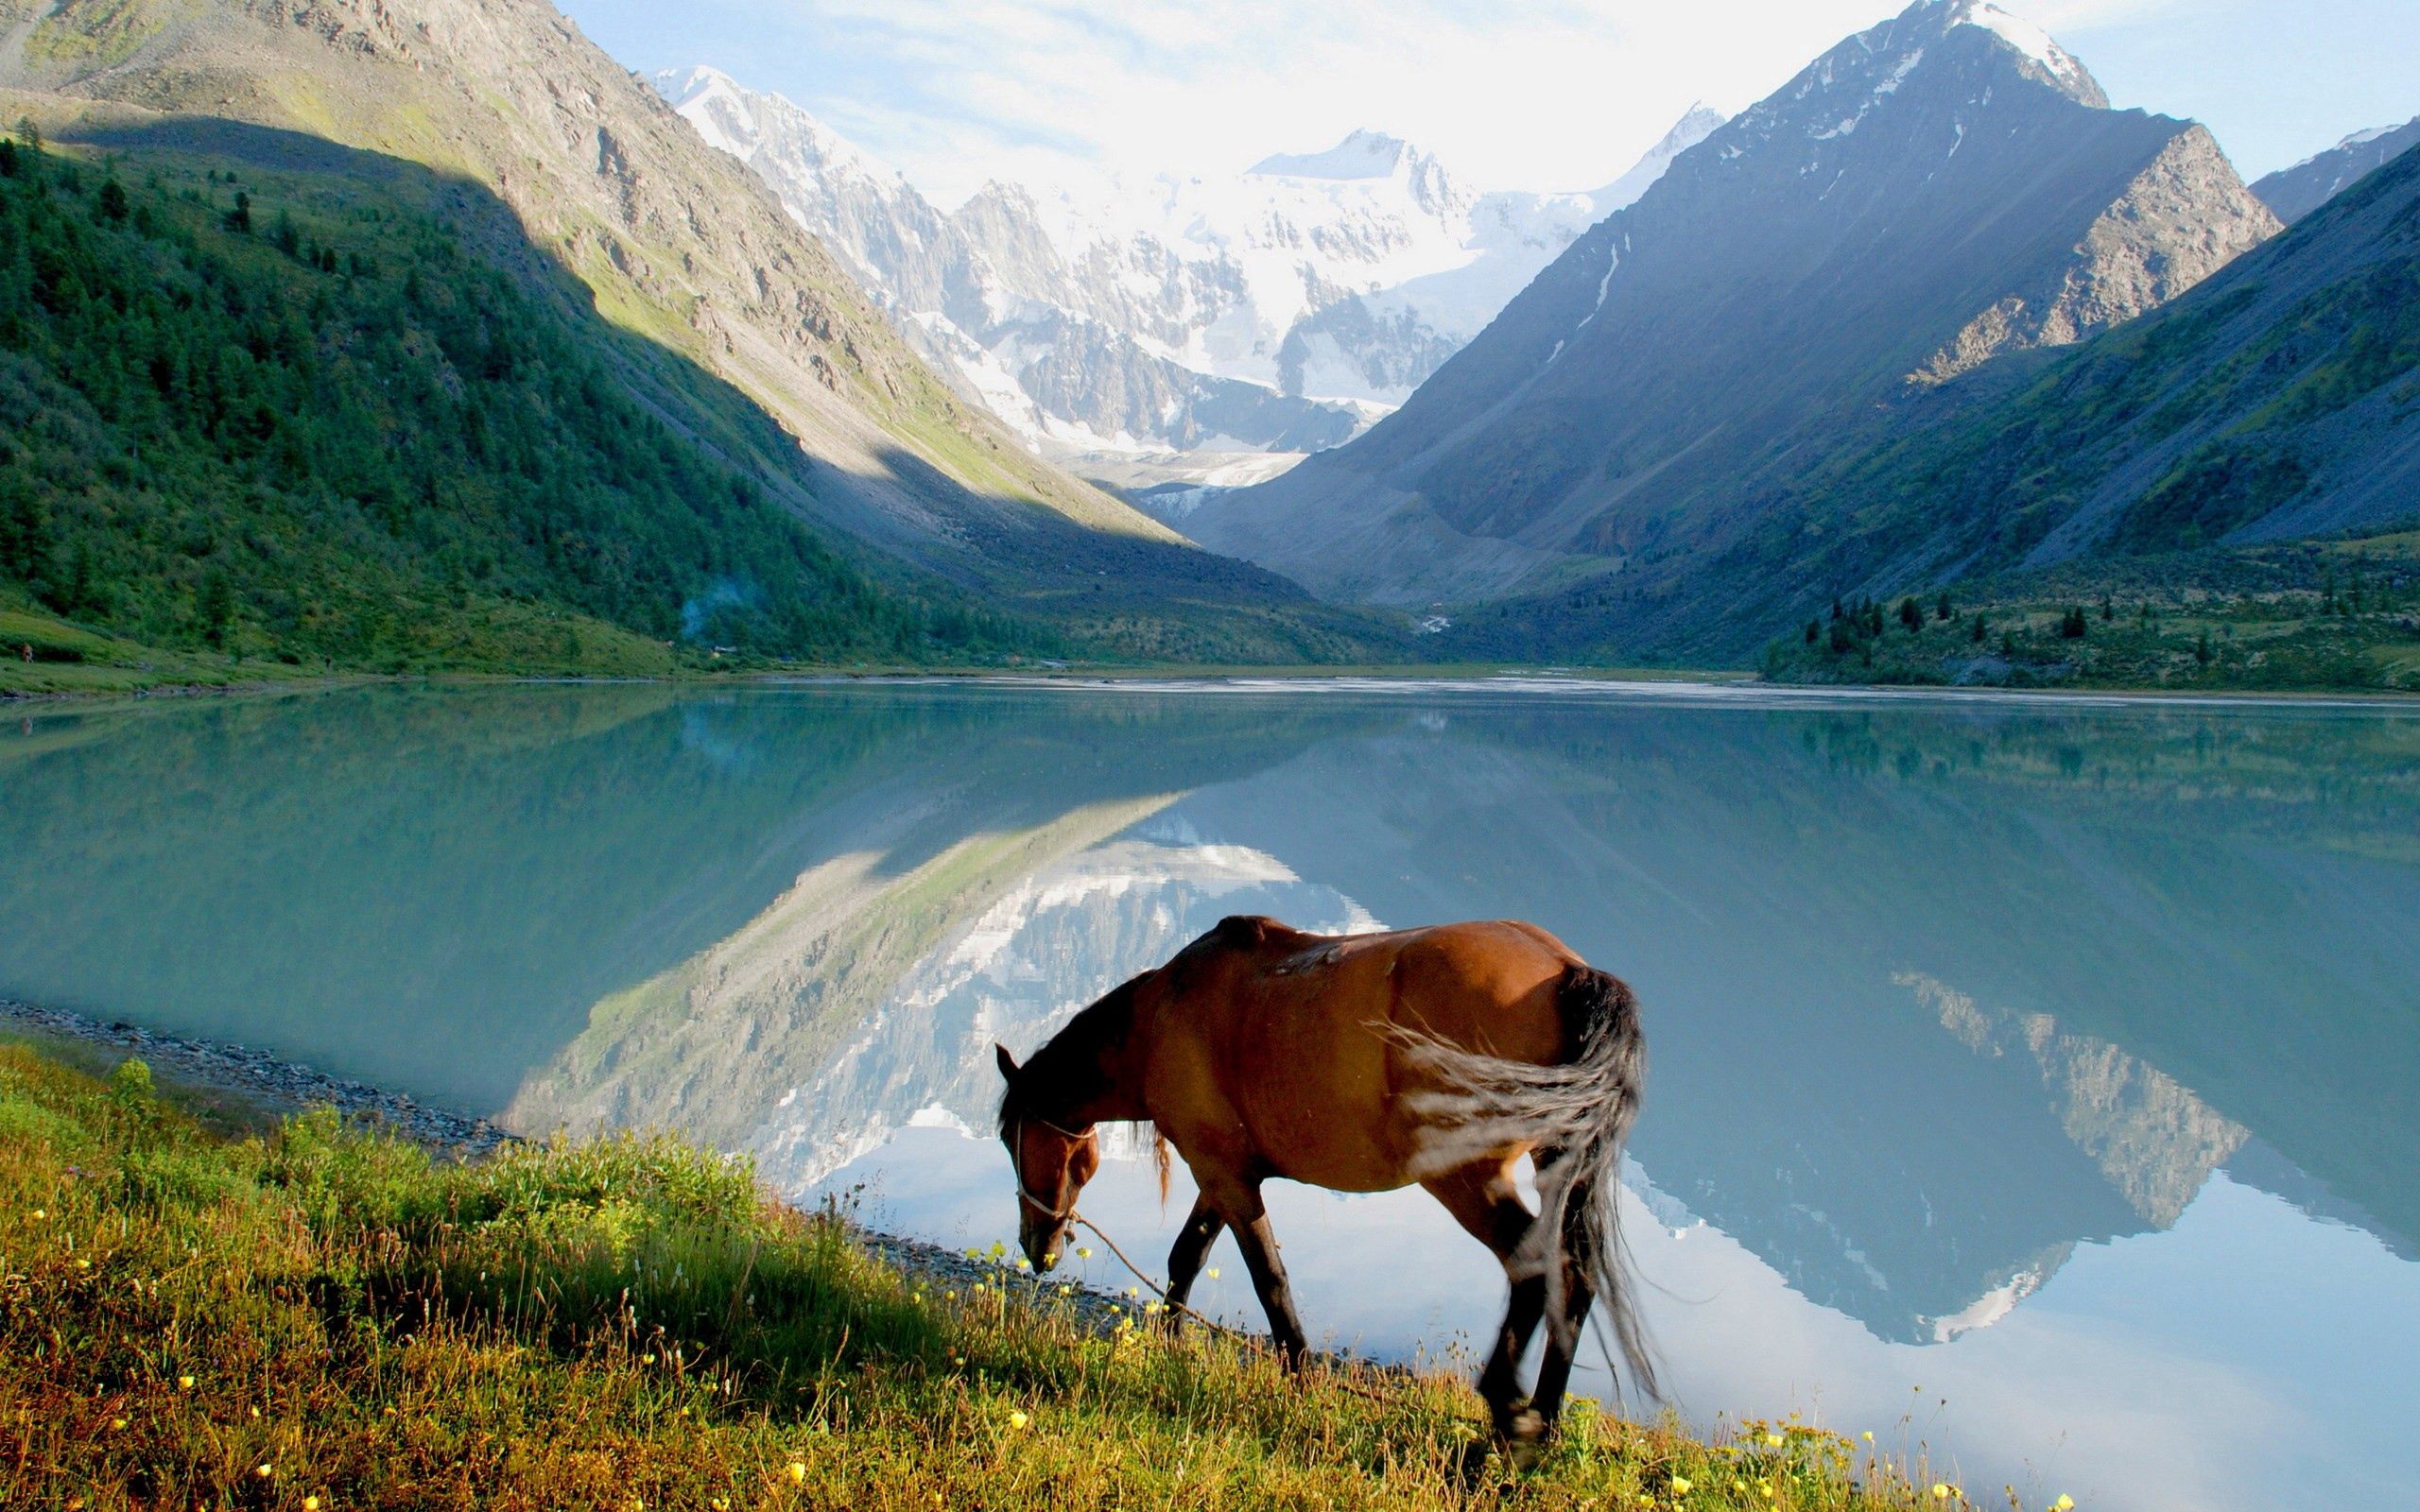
point(1940, 1492)
point(310, 1504)
point(1681, 1484)
point(1774, 1439)
point(263, 1471)
point(1023, 1264)
point(118, 1422)
point(1018, 1419)
point(187, 1382)
point(1212, 1273)
point(40, 1214)
point(798, 1472)
point(1868, 1435)
point(1085, 1252)
point(2065, 1504)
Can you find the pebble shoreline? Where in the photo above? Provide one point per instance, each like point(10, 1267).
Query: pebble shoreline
point(280, 1086)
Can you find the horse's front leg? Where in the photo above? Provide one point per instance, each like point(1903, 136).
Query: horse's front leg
point(1201, 1229)
point(1243, 1210)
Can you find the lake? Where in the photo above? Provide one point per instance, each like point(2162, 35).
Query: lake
point(2033, 1080)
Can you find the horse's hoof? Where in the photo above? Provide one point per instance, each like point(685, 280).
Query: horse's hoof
point(1525, 1427)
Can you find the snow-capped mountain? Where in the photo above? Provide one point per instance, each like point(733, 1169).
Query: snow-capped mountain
point(2295, 192)
point(1278, 310)
point(1943, 188)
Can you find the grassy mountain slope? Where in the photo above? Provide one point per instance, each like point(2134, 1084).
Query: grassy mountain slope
point(287, 423)
point(557, 166)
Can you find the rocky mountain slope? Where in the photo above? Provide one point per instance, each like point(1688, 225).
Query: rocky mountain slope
point(2295, 192)
point(1944, 188)
point(1278, 310)
point(738, 309)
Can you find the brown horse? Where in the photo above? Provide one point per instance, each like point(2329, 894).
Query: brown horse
point(1364, 1063)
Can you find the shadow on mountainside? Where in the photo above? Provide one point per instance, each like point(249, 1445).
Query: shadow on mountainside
point(1108, 593)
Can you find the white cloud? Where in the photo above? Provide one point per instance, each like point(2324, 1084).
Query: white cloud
point(1563, 95)
point(1550, 94)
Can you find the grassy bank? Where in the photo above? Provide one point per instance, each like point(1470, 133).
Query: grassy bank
point(314, 1317)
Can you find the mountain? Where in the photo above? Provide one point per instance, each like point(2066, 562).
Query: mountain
point(1947, 187)
point(2172, 460)
point(713, 307)
point(1276, 310)
point(2295, 192)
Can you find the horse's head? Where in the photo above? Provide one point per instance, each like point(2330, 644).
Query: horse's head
point(1051, 1163)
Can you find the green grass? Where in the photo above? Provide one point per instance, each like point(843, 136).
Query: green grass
point(312, 1317)
point(70, 658)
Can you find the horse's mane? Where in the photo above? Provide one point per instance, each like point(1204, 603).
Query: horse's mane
point(1071, 1070)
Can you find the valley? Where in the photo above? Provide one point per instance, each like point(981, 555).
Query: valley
point(1934, 318)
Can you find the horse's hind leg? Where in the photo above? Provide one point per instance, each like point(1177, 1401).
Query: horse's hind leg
point(1562, 1341)
point(1485, 1202)
point(1201, 1229)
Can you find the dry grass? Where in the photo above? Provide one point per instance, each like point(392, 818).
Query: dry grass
point(317, 1317)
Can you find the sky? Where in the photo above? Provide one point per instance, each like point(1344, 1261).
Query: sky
point(1541, 95)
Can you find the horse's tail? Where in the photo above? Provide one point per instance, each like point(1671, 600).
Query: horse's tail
point(1578, 1117)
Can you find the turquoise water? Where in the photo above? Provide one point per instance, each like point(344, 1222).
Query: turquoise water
point(2036, 1081)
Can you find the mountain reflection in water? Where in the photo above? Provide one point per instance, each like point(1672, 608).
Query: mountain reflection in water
point(1962, 1015)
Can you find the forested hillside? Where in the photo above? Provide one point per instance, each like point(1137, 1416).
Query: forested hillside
point(284, 420)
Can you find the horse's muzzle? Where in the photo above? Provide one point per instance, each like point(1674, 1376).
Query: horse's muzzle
point(1041, 1244)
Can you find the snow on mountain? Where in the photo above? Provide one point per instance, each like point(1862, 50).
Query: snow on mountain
point(1936, 191)
point(1699, 123)
point(1361, 155)
point(1276, 310)
point(2294, 193)
point(2061, 65)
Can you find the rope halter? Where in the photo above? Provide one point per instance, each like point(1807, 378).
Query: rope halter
point(1016, 1162)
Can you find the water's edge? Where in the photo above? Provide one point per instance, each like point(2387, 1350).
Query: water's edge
point(277, 1086)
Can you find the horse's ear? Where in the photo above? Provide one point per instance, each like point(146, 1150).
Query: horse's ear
point(1007, 1063)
